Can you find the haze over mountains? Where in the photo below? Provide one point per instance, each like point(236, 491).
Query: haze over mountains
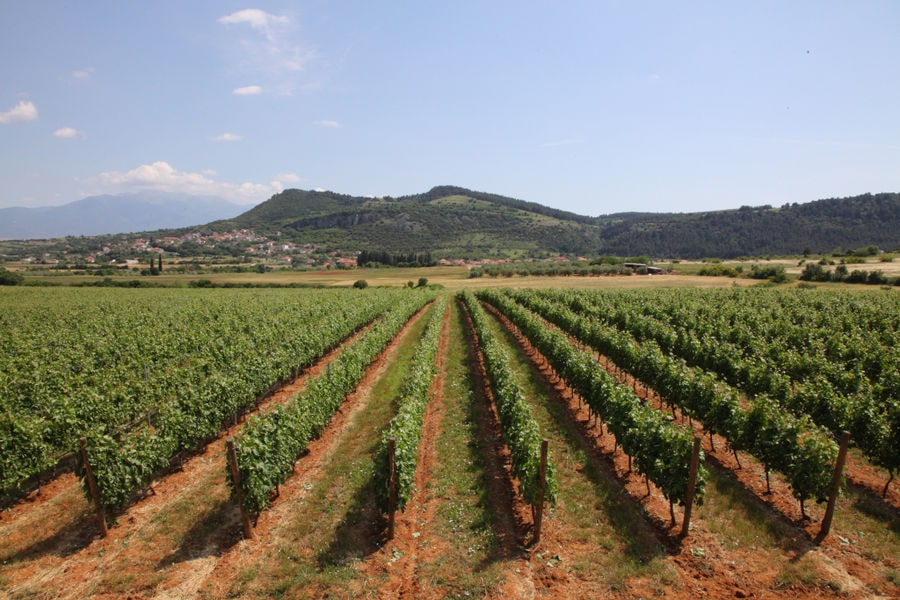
point(120, 213)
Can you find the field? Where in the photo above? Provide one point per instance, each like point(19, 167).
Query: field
point(307, 382)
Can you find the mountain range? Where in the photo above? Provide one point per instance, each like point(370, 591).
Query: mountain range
point(122, 213)
point(454, 222)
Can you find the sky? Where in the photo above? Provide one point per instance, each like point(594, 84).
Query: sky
point(589, 106)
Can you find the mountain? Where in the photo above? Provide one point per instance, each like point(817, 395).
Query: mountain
point(456, 222)
point(446, 221)
point(97, 215)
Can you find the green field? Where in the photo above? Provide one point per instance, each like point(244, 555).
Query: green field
point(617, 380)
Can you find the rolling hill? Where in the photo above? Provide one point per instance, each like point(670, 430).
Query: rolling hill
point(446, 221)
point(456, 222)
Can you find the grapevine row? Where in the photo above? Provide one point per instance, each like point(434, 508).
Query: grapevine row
point(406, 426)
point(98, 361)
point(874, 424)
point(123, 466)
point(660, 450)
point(794, 446)
point(766, 346)
point(519, 429)
point(269, 444)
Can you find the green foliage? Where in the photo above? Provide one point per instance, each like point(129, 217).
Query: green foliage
point(718, 270)
point(774, 273)
point(369, 258)
point(188, 370)
point(661, 450)
point(829, 357)
point(519, 429)
point(792, 229)
point(816, 272)
point(406, 427)
point(10, 277)
point(360, 284)
point(552, 268)
point(269, 444)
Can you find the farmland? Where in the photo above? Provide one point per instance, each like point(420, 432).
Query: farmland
point(307, 382)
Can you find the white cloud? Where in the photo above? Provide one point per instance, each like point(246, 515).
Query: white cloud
point(328, 123)
point(161, 176)
point(66, 132)
point(227, 137)
point(25, 110)
point(270, 51)
point(283, 180)
point(289, 177)
point(247, 90)
point(256, 18)
point(83, 73)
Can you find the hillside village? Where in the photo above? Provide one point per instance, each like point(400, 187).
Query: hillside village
point(242, 245)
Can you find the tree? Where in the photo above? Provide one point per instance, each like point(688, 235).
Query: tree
point(10, 277)
point(422, 282)
point(814, 272)
point(876, 278)
point(360, 284)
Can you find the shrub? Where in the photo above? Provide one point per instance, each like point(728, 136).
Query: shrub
point(10, 277)
point(876, 278)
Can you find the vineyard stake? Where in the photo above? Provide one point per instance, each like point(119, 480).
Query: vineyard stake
point(236, 477)
point(692, 485)
point(542, 484)
point(835, 487)
point(92, 486)
point(392, 485)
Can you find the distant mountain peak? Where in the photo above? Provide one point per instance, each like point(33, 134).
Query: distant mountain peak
point(114, 213)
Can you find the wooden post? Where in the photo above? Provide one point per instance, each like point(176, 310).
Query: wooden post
point(835, 487)
point(392, 485)
point(92, 486)
point(236, 477)
point(542, 484)
point(692, 485)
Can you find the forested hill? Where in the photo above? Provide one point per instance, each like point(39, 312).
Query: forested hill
point(445, 221)
point(455, 222)
point(817, 227)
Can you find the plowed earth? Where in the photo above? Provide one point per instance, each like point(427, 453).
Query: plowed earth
point(465, 533)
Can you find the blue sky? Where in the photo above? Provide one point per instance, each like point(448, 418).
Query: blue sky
point(594, 107)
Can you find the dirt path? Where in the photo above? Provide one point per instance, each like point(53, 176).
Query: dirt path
point(414, 539)
point(512, 523)
point(422, 561)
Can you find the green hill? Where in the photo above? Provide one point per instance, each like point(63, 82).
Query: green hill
point(446, 221)
point(818, 227)
point(455, 222)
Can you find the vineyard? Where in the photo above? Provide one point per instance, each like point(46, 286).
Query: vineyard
point(399, 442)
